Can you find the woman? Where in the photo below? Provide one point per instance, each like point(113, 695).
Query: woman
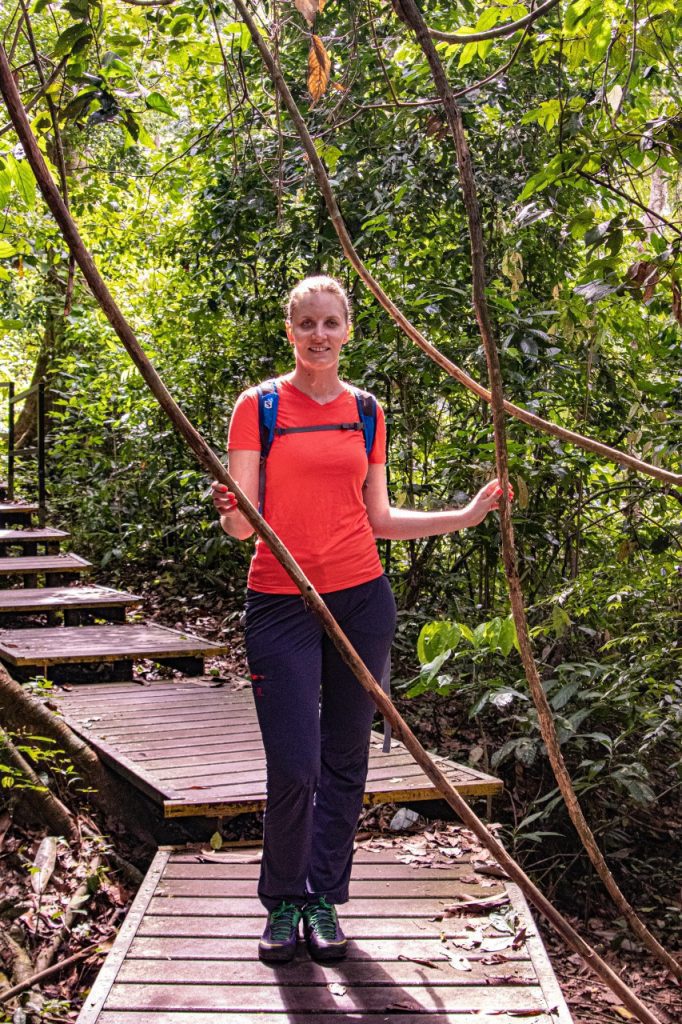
point(326, 497)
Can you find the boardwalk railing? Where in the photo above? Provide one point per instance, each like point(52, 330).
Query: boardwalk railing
point(37, 450)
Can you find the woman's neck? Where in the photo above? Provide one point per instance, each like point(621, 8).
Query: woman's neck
point(323, 386)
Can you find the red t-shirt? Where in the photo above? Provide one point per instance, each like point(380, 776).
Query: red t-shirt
point(313, 492)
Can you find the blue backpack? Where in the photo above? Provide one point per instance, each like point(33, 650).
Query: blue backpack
point(268, 404)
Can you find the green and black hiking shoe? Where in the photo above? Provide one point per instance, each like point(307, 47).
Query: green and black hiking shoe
point(278, 941)
point(322, 930)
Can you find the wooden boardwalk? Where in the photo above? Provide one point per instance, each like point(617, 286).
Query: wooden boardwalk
point(196, 748)
point(186, 953)
point(47, 599)
point(34, 565)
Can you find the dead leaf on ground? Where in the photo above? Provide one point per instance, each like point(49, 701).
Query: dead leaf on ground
point(43, 864)
point(5, 822)
point(494, 945)
point(405, 1006)
point(419, 960)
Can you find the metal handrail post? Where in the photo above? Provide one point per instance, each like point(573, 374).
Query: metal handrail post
point(42, 488)
point(10, 441)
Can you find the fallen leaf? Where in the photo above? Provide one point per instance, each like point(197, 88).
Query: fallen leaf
point(43, 864)
point(405, 1006)
point(494, 945)
point(418, 960)
point(624, 1013)
point(460, 963)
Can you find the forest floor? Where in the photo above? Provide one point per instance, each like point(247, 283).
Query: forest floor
point(97, 881)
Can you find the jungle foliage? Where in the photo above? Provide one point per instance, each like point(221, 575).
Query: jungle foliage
point(192, 191)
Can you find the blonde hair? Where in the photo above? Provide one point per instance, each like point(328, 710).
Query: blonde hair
point(318, 283)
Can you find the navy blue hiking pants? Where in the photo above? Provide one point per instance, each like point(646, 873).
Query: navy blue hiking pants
point(315, 719)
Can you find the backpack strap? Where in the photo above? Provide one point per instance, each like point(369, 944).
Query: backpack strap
point(268, 403)
point(367, 411)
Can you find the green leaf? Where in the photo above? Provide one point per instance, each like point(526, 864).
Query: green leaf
point(432, 668)
point(467, 633)
point(507, 636)
point(560, 620)
point(23, 179)
point(66, 43)
point(436, 637)
point(6, 249)
point(155, 101)
point(468, 53)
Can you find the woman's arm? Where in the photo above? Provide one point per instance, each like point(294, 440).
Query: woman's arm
point(243, 466)
point(405, 524)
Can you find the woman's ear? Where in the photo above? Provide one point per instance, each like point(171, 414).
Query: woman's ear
point(287, 327)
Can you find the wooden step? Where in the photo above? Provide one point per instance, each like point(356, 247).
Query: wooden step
point(53, 567)
point(74, 602)
point(196, 749)
point(17, 512)
point(51, 648)
point(186, 953)
point(30, 537)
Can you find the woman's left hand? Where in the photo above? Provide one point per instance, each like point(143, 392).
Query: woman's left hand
point(487, 500)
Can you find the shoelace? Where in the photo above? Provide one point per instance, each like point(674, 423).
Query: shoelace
point(322, 917)
point(283, 920)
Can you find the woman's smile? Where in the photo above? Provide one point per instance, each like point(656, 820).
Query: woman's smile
point(318, 329)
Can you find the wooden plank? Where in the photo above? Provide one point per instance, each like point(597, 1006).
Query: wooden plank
point(31, 535)
point(373, 889)
point(61, 645)
point(200, 967)
point(25, 565)
point(320, 999)
point(228, 1017)
point(210, 947)
point(106, 977)
point(440, 972)
point(535, 948)
point(33, 599)
point(363, 869)
point(204, 743)
point(9, 507)
point(250, 926)
point(135, 773)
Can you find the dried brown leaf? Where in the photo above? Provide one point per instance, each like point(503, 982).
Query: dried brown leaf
point(43, 864)
point(309, 8)
point(319, 66)
point(419, 960)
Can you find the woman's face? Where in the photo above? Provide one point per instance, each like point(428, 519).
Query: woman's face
point(318, 330)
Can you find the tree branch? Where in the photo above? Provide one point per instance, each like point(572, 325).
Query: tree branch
point(207, 458)
point(630, 199)
point(492, 33)
point(570, 436)
point(48, 972)
point(545, 716)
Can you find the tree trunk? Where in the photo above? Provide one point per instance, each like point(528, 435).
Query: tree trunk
point(20, 711)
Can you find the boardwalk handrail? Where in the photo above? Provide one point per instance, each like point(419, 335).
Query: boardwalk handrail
point(38, 449)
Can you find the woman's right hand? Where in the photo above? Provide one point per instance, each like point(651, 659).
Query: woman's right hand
point(224, 501)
